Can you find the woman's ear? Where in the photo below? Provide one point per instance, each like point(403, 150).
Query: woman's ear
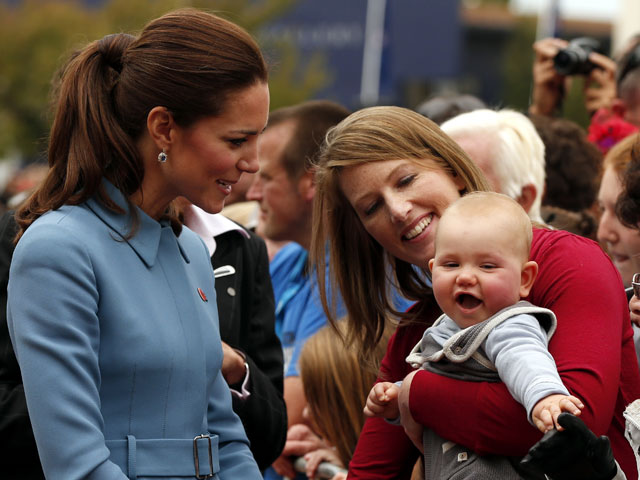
point(527, 277)
point(160, 124)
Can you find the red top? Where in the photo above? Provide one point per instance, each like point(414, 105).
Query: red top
point(592, 346)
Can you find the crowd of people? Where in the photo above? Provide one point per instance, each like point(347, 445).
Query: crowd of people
point(202, 287)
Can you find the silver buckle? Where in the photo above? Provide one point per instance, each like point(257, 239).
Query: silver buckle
point(197, 460)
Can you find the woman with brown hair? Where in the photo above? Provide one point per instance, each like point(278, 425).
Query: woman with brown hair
point(111, 305)
point(384, 178)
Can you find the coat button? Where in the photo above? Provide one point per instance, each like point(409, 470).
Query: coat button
point(231, 291)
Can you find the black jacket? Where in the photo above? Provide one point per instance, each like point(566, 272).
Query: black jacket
point(247, 322)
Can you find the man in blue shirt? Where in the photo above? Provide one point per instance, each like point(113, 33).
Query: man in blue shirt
point(285, 188)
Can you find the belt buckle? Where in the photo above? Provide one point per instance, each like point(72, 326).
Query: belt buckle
point(196, 458)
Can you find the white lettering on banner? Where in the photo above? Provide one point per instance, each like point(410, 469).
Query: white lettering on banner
point(323, 35)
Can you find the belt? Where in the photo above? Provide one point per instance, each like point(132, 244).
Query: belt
point(166, 456)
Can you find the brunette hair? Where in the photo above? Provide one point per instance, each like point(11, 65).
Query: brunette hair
point(187, 61)
point(336, 385)
point(628, 203)
point(310, 121)
point(358, 265)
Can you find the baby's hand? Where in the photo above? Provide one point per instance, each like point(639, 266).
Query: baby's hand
point(383, 401)
point(546, 411)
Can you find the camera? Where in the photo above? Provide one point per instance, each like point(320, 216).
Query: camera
point(574, 59)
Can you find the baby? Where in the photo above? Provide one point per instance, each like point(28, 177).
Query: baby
point(480, 272)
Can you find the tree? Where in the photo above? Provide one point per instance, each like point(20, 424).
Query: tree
point(38, 35)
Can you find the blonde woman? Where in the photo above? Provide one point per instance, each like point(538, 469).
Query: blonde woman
point(384, 178)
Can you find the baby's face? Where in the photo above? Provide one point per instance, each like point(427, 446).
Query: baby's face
point(477, 269)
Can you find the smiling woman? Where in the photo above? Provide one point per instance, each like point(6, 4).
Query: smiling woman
point(206, 158)
point(120, 329)
point(392, 200)
point(377, 224)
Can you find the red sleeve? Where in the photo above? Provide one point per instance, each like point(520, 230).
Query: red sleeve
point(383, 450)
point(591, 349)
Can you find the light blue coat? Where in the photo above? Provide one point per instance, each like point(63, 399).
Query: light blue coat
point(119, 348)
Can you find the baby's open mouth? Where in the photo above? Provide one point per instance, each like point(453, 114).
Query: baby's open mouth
point(467, 301)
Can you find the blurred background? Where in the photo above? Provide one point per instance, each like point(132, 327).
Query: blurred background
point(357, 52)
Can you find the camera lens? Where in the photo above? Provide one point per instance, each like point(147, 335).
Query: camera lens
point(574, 59)
point(566, 62)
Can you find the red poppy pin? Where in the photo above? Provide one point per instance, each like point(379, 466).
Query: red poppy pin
point(202, 295)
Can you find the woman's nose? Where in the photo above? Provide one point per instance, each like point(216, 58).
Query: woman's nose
point(399, 210)
point(607, 231)
point(249, 162)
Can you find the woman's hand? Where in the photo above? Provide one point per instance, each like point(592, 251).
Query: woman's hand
point(300, 441)
point(233, 369)
point(573, 452)
point(411, 427)
point(315, 458)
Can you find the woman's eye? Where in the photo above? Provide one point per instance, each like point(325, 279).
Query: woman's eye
point(371, 209)
point(238, 141)
point(406, 180)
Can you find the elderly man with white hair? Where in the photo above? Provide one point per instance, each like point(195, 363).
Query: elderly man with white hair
point(507, 148)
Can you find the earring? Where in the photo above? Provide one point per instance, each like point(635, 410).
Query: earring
point(162, 156)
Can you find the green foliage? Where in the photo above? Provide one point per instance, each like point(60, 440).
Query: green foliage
point(34, 38)
point(518, 63)
point(38, 35)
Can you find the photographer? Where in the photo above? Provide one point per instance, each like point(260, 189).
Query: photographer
point(549, 86)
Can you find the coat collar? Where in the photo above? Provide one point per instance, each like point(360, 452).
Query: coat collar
point(146, 241)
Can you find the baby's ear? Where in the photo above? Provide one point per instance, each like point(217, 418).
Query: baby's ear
point(527, 277)
point(431, 265)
